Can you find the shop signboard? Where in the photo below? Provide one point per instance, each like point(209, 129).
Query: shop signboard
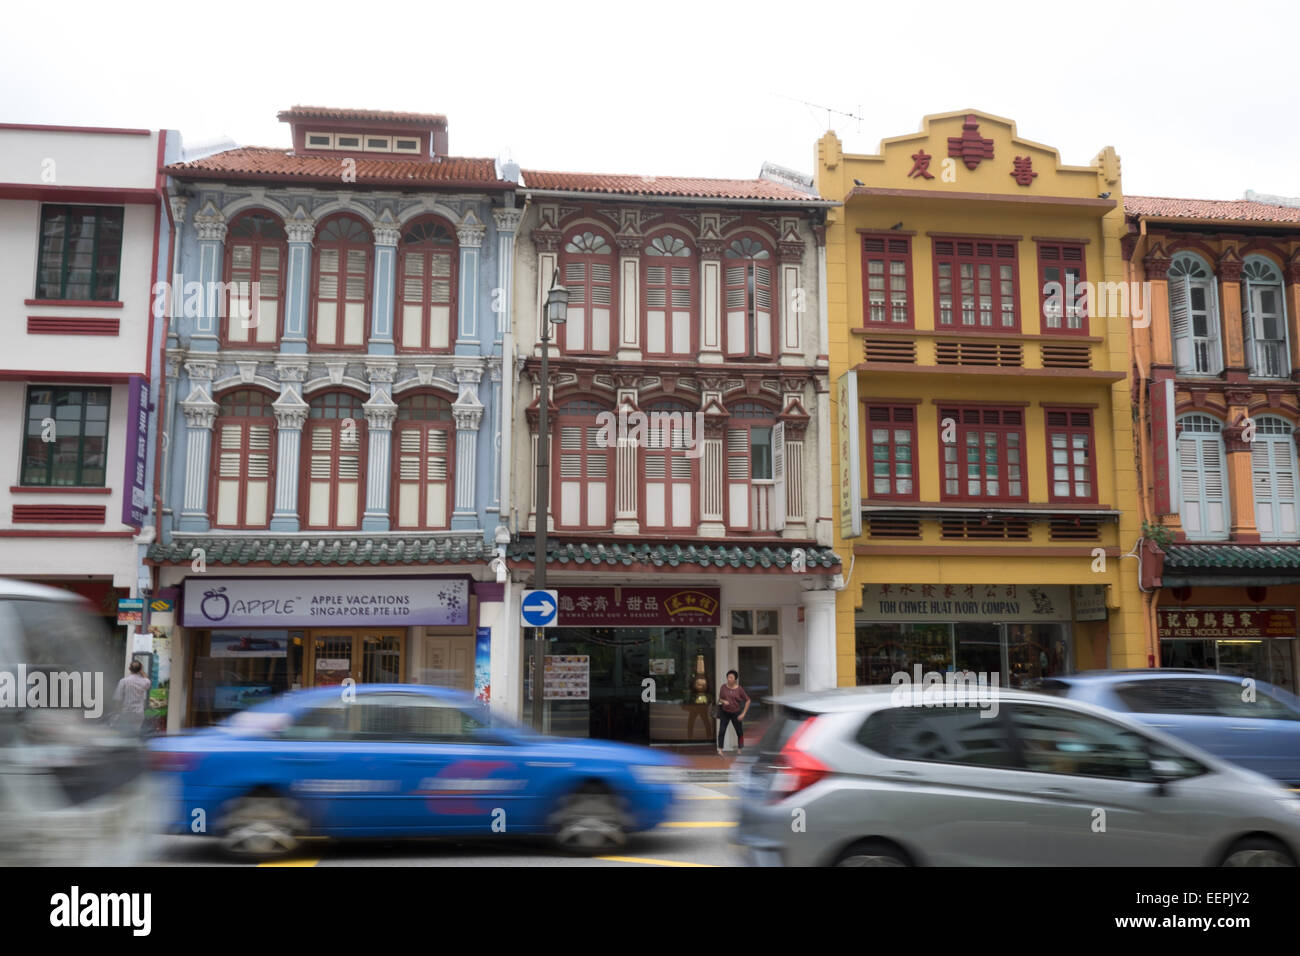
point(992, 603)
point(640, 607)
point(850, 485)
point(1226, 623)
point(325, 602)
point(130, 610)
point(1090, 602)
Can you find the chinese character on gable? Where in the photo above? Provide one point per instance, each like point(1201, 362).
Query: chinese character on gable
point(970, 147)
point(921, 166)
point(1022, 170)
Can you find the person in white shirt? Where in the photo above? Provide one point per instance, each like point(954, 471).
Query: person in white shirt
point(131, 696)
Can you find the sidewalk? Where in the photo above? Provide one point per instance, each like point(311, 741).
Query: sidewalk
point(703, 765)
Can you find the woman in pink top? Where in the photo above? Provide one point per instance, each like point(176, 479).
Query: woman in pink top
point(731, 699)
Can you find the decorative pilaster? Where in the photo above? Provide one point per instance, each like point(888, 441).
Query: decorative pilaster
point(629, 270)
point(381, 412)
point(794, 305)
point(626, 477)
point(384, 300)
point(200, 412)
point(819, 640)
point(710, 297)
point(1229, 272)
point(1240, 485)
point(468, 414)
point(290, 411)
point(507, 223)
point(470, 235)
point(210, 226)
point(713, 485)
point(301, 230)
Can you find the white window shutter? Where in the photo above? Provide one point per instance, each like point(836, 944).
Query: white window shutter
point(1215, 485)
point(778, 476)
point(1190, 508)
point(738, 469)
point(1261, 474)
point(1180, 323)
point(1212, 323)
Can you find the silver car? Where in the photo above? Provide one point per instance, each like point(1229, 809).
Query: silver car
point(72, 791)
point(870, 776)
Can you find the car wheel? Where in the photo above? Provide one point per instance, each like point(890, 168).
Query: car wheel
point(261, 828)
point(872, 854)
point(590, 821)
point(1258, 851)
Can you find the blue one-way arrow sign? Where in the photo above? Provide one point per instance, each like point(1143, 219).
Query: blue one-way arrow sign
point(539, 608)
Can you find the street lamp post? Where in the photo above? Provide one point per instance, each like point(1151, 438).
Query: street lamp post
point(557, 303)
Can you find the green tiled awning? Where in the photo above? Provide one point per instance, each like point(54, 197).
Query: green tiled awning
point(630, 554)
point(328, 551)
point(1231, 557)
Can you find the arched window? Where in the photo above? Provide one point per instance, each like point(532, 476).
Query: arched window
point(749, 293)
point(424, 450)
point(754, 462)
point(1263, 313)
point(256, 247)
point(584, 468)
point(588, 269)
point(428, 290)
point(668, 294)
point(343, 253)
point(1194, 316)
point(242, 467)
point(334, 479)
point(1202, 478)
point(668, 467)
point(1273, 475)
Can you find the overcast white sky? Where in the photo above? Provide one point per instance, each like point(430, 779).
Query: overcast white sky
point(1199, 98)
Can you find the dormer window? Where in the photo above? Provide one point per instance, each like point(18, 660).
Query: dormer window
point(403, 145)
point(379, 144)
point(347, 141)
point(320, 140)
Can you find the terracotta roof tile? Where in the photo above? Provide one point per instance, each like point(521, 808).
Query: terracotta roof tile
point(686, 187)
point(1221, 209)
point(264, 163)
point(382, 116)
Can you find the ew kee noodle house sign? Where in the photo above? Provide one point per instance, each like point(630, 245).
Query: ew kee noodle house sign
point(324, 602)
point(639, 607)
point(1227, 623)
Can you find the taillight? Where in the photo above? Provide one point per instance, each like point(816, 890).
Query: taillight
point(171, 761)
point(796, 769)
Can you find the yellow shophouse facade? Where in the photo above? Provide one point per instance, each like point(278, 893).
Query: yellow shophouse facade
point(979, 357)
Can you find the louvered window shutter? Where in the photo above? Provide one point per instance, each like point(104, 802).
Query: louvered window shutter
point(257, 491)
point(319, 474)
point(598, 479)
point(348, 491)
point(1180, 323)
point(1273, 473)
point(436, 471)
point(409, 448)
point(1213, 318)
point(737, 309)
point(738, 490)
point(778, 476)
point(229, 473)
point(1215, 484)
point(1284, 487)
point(762, 335)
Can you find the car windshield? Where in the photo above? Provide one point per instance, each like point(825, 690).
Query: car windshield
point(380, 715)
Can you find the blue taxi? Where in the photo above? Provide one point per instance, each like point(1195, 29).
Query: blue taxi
point(388, 760)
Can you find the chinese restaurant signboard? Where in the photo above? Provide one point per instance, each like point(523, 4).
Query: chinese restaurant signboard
point(639, 607)
point(1226, 624)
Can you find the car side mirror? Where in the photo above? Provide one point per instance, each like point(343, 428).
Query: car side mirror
point(1165, 772)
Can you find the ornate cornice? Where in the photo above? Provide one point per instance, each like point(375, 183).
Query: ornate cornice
point(199, 409)
point(709, 248)
point(290, 410)
point(300, 228)
point(507, 220)
point(387, 235)
point(629, 246)
point(545, 240)
point(471, 235)
point(790, 251)
point(1229, 266)
point(210, 225)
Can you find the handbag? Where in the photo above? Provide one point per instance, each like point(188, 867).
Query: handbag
point(713, 711)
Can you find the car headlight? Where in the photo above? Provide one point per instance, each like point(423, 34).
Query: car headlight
point(657, 775)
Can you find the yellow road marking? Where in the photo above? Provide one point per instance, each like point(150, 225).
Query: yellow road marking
point(698, 824)
point(649, 862)
point(292, 863)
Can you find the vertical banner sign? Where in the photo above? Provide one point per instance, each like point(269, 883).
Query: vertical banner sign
point(850, 473)
point(483, 665)
point(1162, 444)
point(134, 502)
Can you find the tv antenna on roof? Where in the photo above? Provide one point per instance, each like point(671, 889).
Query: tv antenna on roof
point(817, 106)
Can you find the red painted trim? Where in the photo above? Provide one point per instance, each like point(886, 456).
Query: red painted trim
point(399, 291)
point(77, 303)
point(888, 257)
point(70, 325)
point(1059, 263)
point(955, 260)
point(93, 195)
point(16, 533)
point(1001, 430)
point(668, 263)
point(590, 259)
point(257, 244)
point(1090, 431)
point(59, 514)
point(54, 490)
point(341, 298)
point(395, 481)
point(37, 376)
point(214, 472)
point(107, 130)
point(892, 425)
